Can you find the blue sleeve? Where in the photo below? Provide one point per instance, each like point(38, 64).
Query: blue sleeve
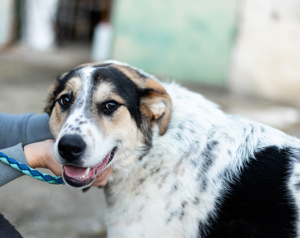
point(17, 131)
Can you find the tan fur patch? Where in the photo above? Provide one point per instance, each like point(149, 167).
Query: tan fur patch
point(73, 85)
point(119, 122)
point(55, 121)
point(105, 92)
point(57, 117)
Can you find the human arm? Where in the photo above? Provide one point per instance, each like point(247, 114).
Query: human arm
point(33, 132)
point(17, 131)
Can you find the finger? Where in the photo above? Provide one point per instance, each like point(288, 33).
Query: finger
point(102, 178)
point(99, 184)
point(104, 174)
point(53, 165)
point(56, 169)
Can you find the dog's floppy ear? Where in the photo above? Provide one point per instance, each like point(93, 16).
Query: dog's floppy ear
point(156, 104)
point(50, 101)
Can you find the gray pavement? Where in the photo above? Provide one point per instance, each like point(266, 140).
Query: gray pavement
point(39, 210)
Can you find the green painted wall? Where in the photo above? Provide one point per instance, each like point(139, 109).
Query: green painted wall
point(188, 40)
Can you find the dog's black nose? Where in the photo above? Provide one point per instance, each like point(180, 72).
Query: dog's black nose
point(71, 147)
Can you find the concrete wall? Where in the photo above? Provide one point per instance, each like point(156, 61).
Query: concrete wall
point(266, 59)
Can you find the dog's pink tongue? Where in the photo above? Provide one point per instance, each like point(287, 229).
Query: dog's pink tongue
point(73, 171)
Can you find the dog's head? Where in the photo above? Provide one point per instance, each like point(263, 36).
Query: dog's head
point(104, 115)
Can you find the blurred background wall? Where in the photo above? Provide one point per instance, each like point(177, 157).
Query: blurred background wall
point(266, 56)
point(250, 47)
point(6, 21)
point(186, 40)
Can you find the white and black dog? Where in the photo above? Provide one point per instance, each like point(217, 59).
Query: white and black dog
point(180, 166)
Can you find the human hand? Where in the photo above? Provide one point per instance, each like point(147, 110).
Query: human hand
point(102, 178)
point(40, 155)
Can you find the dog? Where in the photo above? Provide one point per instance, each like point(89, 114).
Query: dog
point(180, 166)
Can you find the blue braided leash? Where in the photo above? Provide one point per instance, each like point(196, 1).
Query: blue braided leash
point(30, 171)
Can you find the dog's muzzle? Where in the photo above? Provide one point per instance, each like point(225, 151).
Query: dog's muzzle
point(71, 148)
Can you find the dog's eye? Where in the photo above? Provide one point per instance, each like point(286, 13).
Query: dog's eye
point(111, 105)
point(65, 100)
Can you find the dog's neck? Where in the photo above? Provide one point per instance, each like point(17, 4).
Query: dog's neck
point(187, 134)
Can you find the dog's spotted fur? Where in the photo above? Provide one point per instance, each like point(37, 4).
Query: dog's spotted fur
point(183, 168)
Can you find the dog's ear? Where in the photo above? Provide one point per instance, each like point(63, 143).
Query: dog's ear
point(50, 101)
point(156, 105)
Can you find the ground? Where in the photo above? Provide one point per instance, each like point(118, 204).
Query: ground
point(38, 209)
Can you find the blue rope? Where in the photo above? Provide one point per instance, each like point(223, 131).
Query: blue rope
point(29, 171)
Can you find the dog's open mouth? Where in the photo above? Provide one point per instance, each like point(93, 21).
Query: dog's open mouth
point(81, 177)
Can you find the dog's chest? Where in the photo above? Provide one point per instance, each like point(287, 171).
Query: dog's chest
point(153, 204)
point(166, 197)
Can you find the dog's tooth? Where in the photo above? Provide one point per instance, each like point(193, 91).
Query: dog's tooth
point(87, 171)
